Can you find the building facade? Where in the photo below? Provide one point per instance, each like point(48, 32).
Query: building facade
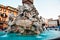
point(4, 12)
point(59, 19)
point(52, 23)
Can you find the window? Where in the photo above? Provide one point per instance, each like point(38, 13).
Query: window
point(11, 12)
point(0, 9)
point(0, 13)
point(4, 15)
point(4, 10)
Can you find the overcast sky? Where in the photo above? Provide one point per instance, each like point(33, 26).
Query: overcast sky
point(46, 8)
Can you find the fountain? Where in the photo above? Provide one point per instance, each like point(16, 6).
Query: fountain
point(27, 20)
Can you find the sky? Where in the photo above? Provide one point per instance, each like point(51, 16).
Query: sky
point(46, 8)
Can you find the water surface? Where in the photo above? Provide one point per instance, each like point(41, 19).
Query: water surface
point(46, 35)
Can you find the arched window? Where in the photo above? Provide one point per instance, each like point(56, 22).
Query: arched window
point(4, 15)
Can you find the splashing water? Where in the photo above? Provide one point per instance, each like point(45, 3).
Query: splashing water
point(4, 35)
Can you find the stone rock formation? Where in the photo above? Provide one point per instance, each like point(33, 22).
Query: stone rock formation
point(27, 20)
